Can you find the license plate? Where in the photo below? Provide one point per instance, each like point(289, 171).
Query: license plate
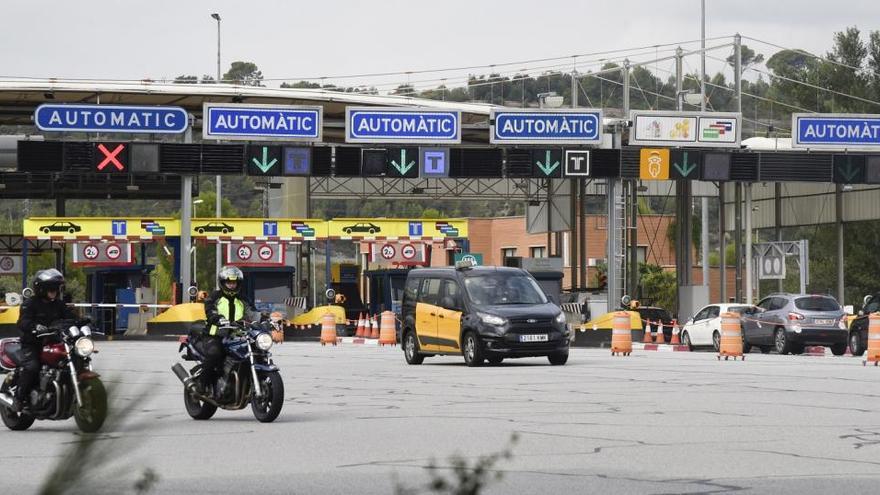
point(538, 337)
point(824, 322)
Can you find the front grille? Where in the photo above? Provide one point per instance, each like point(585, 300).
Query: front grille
point(525, 322)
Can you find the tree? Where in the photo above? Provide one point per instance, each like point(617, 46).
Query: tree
point(849, 51)
point(749, 58)
point(243, 74)
point(874, 63)
point(658, 285)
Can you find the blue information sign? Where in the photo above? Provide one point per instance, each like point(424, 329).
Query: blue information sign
point(110, 118)
point(297, 161)
point(118, 227)
point(402, 125)
point(835, 131)
point(577, 126)
point(262, 122)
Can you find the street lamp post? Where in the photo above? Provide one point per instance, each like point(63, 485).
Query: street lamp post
point(218, 180)
point(194, 250)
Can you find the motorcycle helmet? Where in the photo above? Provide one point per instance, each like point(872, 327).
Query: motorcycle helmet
point(48, 280)
point(229, 274)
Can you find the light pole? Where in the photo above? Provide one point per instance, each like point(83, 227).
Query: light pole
point(216, 17)
point(217, 179)
point(194, 250)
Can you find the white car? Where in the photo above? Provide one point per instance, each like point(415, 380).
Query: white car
point(704, 329)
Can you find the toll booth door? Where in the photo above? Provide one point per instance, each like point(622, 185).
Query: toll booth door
point(271, 288)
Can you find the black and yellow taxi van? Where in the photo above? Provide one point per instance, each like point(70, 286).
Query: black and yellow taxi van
point(484, 313)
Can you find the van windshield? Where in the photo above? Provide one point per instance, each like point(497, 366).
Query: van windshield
point(503, 288)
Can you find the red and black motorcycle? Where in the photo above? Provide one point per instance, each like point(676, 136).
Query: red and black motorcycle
point(67, 385)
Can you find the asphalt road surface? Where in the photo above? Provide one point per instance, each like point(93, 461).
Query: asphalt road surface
point(357, 419)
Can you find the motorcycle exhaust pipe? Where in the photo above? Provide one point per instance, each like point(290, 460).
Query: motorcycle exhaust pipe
point(6, 400)
point(183, 376)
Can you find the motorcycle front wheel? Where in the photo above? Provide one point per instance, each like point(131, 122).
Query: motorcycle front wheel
point(91, 414)
point(267, 407)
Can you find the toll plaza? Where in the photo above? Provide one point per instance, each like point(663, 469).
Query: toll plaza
point(364, 146)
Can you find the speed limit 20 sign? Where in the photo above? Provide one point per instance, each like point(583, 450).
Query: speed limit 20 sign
point(96, 253)
point(250, 254)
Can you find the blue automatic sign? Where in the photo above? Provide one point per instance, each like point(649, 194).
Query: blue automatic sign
point(581, 126)
point(402, 125)
point(110, 118)
point(262, 122)
point(837, 131)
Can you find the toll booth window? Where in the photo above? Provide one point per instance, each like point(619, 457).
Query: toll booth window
point(397, 288)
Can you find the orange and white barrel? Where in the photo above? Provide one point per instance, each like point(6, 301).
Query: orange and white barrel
point(731, 336)
point(621, 334)
point(873, 353)
point(387, 330)
point(328, 329)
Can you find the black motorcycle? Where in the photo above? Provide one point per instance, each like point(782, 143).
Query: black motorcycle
point(67, 386)
point(248, 373)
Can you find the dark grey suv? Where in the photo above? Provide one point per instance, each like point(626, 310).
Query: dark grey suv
point(791, 321)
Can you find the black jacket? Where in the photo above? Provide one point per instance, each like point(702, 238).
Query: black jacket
point(213, 316)
point(37, 311)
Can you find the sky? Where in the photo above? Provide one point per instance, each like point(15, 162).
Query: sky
point(295, 39)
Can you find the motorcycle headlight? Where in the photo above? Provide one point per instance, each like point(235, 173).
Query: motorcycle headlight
point(560, 318)
point(73, 332)
point(264, 341)
point(84, 346)
point(492, 319)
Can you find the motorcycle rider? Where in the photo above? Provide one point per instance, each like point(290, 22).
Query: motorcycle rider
point(36, 314)
point(222, 306)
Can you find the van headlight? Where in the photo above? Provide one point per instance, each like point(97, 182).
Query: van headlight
point(560, 318)
point(84, 346)
point(492, 319)
point(264, 341)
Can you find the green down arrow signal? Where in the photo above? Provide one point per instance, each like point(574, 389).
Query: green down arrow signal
point(848, 171)
point(403, 167)
point(265, 165)
point(686, 169)
point(546, 167)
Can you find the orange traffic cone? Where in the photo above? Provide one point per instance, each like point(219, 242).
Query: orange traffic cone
point(731, 337)
point(360, 326)
point(647, 339)
point(374, 325)
point(328, 329)
point(676, 339)
point(621, 334)
point(661, 338)
point(387, 331)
